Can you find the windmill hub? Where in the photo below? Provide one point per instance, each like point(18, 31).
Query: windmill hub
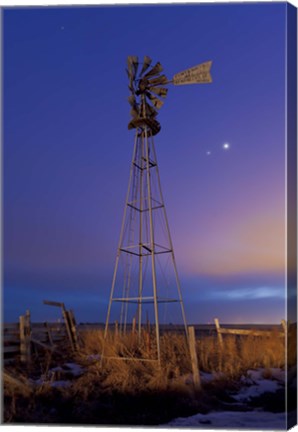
point(143, 86)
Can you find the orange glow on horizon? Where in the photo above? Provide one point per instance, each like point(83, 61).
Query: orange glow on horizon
point(255, 244)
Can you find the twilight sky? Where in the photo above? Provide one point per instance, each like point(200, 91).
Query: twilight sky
point(67, 152)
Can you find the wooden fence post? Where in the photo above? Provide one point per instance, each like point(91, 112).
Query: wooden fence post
point(285, 327)
point(133, 330)
point(22, 338)
point(194, 358)
point(147, 322)
point(116, 330)
point(68, 327)
point(147, 341)
point(70, 323)
point(28, 335)
point(25, 337)
point(49, 334)
point(73, 328)
point(219, 335)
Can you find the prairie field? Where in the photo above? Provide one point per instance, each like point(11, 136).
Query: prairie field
point(81, 388)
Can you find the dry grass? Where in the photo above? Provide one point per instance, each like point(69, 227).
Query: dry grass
point(240, 354)
point(135, 392)
point(134, 376)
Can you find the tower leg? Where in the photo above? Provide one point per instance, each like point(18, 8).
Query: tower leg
point(171, 247)
point(140, 245)
point(152, 246)
point(119, 246)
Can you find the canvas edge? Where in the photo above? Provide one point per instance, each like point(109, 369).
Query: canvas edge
point(291, 211)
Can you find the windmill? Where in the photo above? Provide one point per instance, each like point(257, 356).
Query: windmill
point(145, 248)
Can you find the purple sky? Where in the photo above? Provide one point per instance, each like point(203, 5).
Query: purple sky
point(67, 153)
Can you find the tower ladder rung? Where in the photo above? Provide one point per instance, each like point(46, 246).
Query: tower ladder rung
point(148, 299)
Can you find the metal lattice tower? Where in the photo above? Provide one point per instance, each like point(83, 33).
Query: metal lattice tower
point(145, 280)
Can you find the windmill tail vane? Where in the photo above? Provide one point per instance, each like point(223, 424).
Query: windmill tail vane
point(148, 91)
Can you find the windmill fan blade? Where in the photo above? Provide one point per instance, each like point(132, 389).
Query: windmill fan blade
point(134, 112)
point(155, 101)
point(130, 85)
point(135, 66)
point(154, 71)
point(159, 80)
point(146, 64)
point(150, 110)
point(129, 68)
point(132, 100)
point(159, 91)
point(132, 62)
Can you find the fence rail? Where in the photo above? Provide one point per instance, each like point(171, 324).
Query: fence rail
point(246, 332)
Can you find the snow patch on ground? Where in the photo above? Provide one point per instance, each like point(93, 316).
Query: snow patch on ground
point(61, 383)
point(208, 377)
point(74, 369)
point(254, 384)
point(54, 376)
point(233, 419)
point(274, 373)
point(262, 386)
point(44, 381)
point(57, 369)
